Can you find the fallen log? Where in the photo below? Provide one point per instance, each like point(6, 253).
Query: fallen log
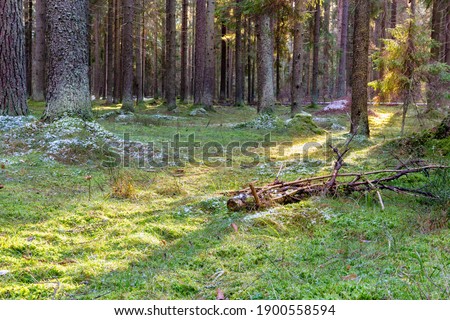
point(253, 197)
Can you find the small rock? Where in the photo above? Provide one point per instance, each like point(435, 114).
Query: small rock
point(127, 117)
point(198, 112)
point(337, 127)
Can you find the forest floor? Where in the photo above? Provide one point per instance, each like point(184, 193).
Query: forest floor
point(71, 228)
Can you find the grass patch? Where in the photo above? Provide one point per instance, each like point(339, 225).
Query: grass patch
point(166, 232)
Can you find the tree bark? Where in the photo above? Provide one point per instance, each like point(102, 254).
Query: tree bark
point(326, 51)
point(117, 52)
point(38, 66)
point(341, 84)
point(250, 59)
point(184, 51)
point(68, 91)
point(359, 114)
point(239, 63)
point(97, 70)
point(393, 23)
point(436, 88)
point(223, 65)
point(127, 55)
point(139, 51)
point(297, 63)
point(13, 86)
point(170, 65)
point(209, 77)
point(447, 35)
point(437, 29)
point(315, 73)
point(383, 22)
point(278, 57)
point(110, 54)
point(200, 50)
point(266, 96)
point(29, 43)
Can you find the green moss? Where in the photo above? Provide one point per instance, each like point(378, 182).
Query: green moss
point(174, 239)
point(302, 124)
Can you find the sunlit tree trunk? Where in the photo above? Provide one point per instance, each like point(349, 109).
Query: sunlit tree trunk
point(223, 64)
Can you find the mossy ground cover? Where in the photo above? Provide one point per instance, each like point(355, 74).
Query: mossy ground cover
point(165, 233)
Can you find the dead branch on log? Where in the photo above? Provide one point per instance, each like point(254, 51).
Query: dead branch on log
point(295, 191)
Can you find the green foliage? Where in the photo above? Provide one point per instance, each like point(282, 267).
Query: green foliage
point(404, 60)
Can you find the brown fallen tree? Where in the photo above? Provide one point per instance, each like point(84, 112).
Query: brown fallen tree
point(254, 198)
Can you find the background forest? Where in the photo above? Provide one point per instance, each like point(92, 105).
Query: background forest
point(320, 140)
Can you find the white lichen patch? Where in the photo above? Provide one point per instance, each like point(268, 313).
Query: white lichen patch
point(8, 123)
point(70, 140)
point(262, 122)
point(336, 105)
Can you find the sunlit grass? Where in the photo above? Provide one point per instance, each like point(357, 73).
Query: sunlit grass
point(173, 240)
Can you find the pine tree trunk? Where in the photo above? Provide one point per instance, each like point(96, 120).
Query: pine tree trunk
point(437, 89)
point(315, 73)
point(209, 77)
point(38, 66)
point(110, 54)
point(117, 52)
point(223, 65)
point(170, 65)
point(249, 61)
point(326, 51)
point(239, 63)
point(297, 63)
point(437, 29)
point(266, 95)
point(184, 51)
point(97, 71)
point(309, 54)
point(447, 35)
point(200, 50)
point(140, 64)
point(67, 60)
point(383, 22)
point(341, 84)
point(13, 86)
point(359, 114)
point(138, 52)
point(29, 43)
point(393, 23)
point(278, 57)
point(127, 55)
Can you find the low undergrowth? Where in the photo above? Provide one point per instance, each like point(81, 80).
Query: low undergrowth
point(83, 231)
